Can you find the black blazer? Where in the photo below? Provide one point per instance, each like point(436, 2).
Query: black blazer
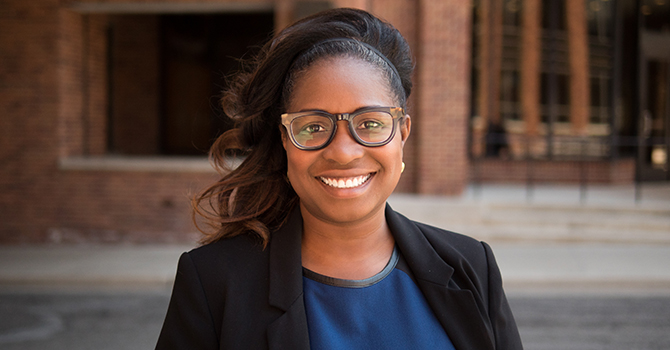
point(233, 294)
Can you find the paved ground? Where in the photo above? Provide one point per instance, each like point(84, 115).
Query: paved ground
point(132, 320)
point(81, 320)
point(593, 322)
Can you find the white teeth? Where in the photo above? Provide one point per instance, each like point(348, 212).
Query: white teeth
point(346, 183)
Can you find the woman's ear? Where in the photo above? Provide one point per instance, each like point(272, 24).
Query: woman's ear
point(284, 137)
point(405, 129)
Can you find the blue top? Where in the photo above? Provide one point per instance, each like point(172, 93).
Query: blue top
point(385, 311)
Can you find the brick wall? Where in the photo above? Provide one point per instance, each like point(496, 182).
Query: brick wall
point(97, 95)
point(29, 132)
point(521, 171)
point(102, 206)
point(443, 95)
point(55, 106)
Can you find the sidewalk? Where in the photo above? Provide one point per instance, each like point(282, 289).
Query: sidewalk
point(553, 243)
point(89, 266)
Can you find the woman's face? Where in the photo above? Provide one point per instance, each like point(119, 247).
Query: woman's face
point(344, 85)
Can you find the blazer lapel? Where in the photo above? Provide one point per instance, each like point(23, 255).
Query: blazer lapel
point(289, 331)
point(455, 308)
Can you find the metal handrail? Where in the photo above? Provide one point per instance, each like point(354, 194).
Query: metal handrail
point(633, 143)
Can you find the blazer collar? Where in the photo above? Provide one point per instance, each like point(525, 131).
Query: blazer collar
point(286, 262)
point(416, 249)
point(289, 331)
point(455, 308)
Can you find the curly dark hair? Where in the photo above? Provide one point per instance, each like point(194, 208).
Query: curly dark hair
point(255, 197)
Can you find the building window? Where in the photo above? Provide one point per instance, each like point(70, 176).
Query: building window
point(542, 72)
point(166, 74)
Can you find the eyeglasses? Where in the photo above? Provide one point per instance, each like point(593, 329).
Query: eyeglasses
point(370, 126)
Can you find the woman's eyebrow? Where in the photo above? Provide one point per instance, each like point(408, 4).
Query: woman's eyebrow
point(312, 110)
point(324, 111)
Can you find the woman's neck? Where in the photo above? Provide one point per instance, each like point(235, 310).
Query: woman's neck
point(348, 251)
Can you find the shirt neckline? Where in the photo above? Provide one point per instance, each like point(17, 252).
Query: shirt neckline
point(339, 282)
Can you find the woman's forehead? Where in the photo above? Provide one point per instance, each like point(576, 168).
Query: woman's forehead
point(351, 60)
point(342, 76)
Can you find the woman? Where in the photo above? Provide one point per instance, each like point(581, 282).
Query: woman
point(306, 253)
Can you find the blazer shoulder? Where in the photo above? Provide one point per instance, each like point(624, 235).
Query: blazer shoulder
point(230, 259)
point(241, 247)
point(442, 235)
point(465, 246)
point(450, 245)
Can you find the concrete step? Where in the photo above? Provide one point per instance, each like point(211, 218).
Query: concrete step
point(497, 221)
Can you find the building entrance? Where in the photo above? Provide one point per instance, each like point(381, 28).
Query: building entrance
point(654, 121)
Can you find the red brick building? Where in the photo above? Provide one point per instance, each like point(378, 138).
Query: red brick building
point(108, 106)
point(570, 91)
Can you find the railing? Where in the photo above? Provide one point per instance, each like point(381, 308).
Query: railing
point(626, 158)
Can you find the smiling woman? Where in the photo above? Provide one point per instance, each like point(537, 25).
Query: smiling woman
point(342, 85)
point(305, 252)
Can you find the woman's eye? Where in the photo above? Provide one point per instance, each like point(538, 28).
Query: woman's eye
point(370, 125)
point(313, 128)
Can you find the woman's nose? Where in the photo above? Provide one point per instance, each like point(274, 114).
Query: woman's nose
point(343, 148)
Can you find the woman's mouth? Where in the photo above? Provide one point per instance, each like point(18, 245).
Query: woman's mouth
point(345, 182)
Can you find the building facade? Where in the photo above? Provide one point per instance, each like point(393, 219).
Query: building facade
point(108, 107)
point(570, 91)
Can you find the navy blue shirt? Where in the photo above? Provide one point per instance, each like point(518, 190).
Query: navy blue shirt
point(385, 311)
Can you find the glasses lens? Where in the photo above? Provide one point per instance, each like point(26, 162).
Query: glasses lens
point(311, 130)
point(373, 127)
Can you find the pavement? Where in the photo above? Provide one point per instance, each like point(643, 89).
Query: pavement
point(548, 239)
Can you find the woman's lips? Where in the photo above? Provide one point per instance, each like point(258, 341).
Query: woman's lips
point(345, 182)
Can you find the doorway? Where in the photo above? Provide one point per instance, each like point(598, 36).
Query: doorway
point(654, 98)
